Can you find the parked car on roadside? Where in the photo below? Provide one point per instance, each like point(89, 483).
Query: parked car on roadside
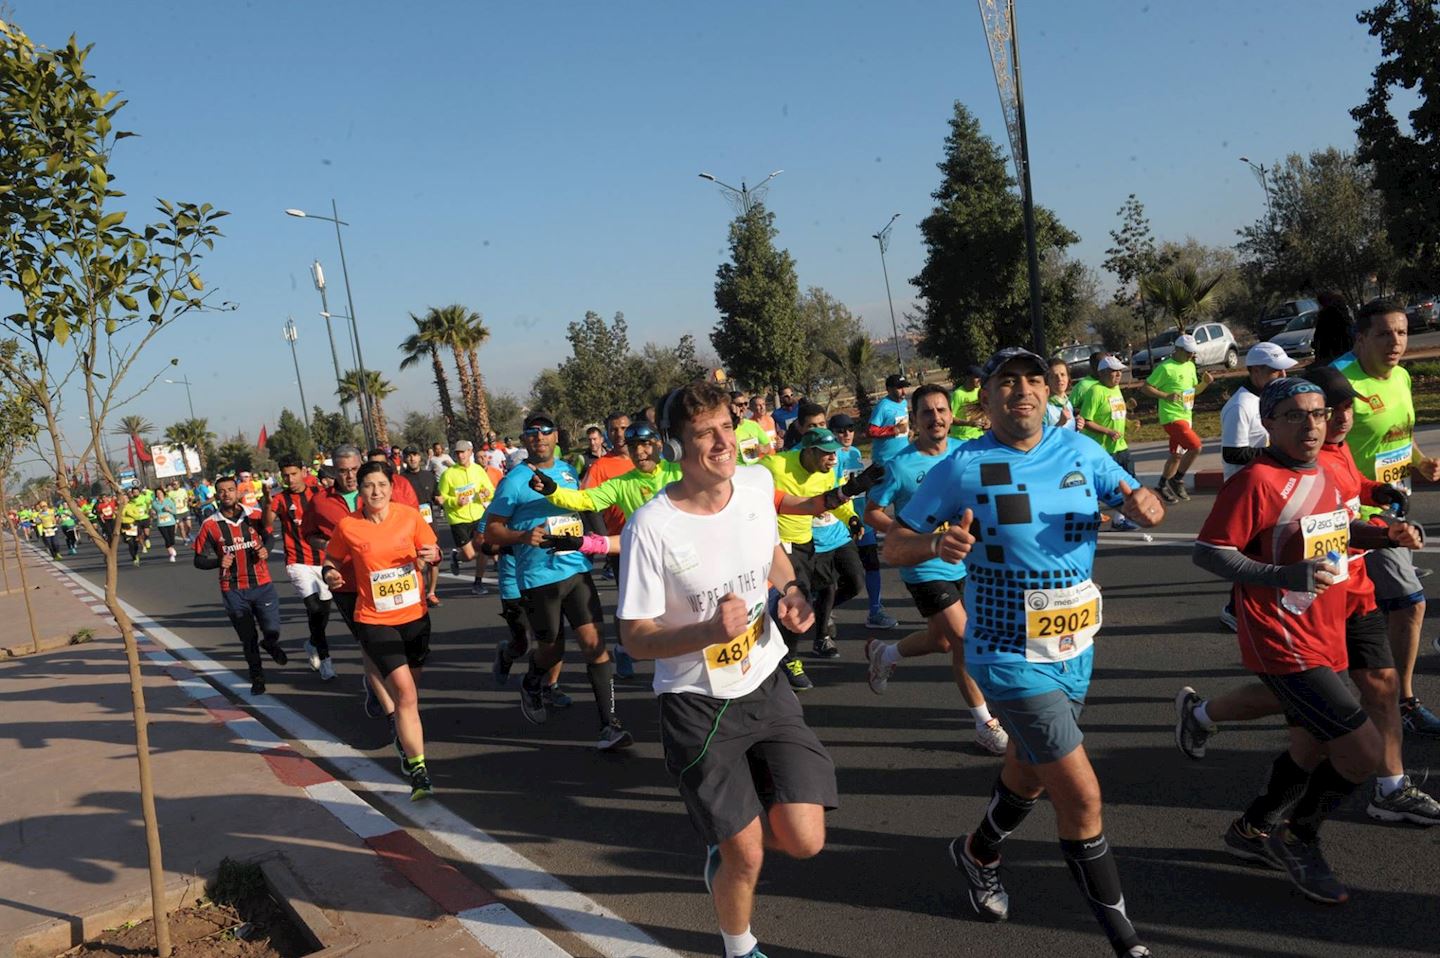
point(1297, 339)
point(1077, 358)
point(1274, 319)
point(1215, 347)
point(1423, 312)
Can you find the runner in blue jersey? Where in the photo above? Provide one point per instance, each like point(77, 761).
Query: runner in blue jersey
point(512, 610)
point(554, 584)
point(1021, 507)
point(850, 464)
point(889, 428)
point(936, 585)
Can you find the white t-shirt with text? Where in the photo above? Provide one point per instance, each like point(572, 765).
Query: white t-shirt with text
point(1240, 425)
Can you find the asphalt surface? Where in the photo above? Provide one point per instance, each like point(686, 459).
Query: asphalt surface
point(910, 779)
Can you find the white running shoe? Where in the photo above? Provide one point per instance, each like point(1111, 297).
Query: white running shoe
point(880, 673)
point(313, 654)
point(327, 670)
point(992, 738)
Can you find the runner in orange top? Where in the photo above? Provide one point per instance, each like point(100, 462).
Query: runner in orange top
point(386, 546)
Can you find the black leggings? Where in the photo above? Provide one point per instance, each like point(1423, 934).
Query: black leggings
point(317, 616)
point(839, 576)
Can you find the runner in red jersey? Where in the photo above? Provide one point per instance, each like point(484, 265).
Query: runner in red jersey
point(285, 513)
point(232, 541)
point(1281, 531)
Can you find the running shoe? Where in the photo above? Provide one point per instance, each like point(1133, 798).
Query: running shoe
point(272, 648)
point(554, 698)
point(500, 671)
point(372, 704)
point(992, 737)
point(1435, 644)
point(712, 866)
point(455, 562)
point(614, 736)
point(420, 786)
point(532, 700)
point(1121, 524)
point(825, 647)
point(327, 670)
point(752, 953)
point(1178, 487)
point(478, 588)
point(795, 672)
point(1307, 867)
point(432, 600)
point(880, 673)
point(1418, 719)
point(1190, 735)
point(135, 561)
point(1248, 844)
point(607, 573)
point(1227, 619)
point(624, 664)
point(884, 620)
point(1406, 804)
point(1166, 493)
point(257, 686)
point(172, 558)
point(1139, 951)
point(313, 655)
point(987, 896)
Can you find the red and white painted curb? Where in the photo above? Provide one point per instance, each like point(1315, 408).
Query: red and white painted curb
point(487, 919)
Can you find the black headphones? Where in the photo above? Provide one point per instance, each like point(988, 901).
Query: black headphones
point(670, 448)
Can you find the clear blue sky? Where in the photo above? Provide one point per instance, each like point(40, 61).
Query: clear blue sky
point(535, 160)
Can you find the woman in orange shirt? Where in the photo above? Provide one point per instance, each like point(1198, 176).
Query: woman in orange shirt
point(386, 546)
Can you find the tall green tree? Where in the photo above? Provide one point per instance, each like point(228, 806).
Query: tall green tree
point(597, 375)
point(290, 438)
point(425, 343)
point(420, 429)
point(1182, 295)
point(377, 389)
point(1325, 228)
point(331, 429)
point(758, 337)
point(974, 286)
point(827, 325)
point(857, 365)
point(236, 454)
point(1406, 156)
point(1132, 255)
point(92, 294)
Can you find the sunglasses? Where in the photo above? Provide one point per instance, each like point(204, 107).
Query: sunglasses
point(534, 431)
point(643, 433)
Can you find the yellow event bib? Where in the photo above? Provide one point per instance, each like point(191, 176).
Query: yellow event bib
point(1326, 533)
point(1061, 623)
point(748, 454)
point(1117, 409)
point(395, 588)
point(464, 494)
point(425, 511)
point(1188, 397)
point(727, 663)
point(1393, 467)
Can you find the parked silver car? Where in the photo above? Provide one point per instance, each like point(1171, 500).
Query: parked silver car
point(1298, 337)
point(1216, 347)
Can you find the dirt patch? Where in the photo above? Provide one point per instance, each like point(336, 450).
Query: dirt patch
point(253, 927)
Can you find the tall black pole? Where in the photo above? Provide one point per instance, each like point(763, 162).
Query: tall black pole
point(1037, 325)
point(367, 402)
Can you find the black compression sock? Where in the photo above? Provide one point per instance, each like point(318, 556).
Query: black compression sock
point(602, 682)
point(1093, 867)
point(1326, 789)
point(1287, 783)
point(1002, 816)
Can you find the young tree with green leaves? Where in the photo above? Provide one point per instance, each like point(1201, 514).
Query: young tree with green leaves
point(974, 287)
point(597, 376)
point(93, 294)
point(331, 429)
point(758, 337)
point(290, 438)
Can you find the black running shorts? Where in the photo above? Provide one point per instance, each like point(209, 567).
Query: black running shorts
point(1318, 701)
point(462, 532)
point(932, 598)
point(1367, 644)
point(574, 598)
point(734, 758)
point(391, 646)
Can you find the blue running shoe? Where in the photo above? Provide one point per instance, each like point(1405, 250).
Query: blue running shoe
point(1417, 719)
point(624, 664)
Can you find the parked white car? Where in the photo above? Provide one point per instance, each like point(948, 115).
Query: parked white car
point(1216, 348)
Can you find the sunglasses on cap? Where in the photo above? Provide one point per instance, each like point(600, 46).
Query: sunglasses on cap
point(641, 432)
point(534, 431)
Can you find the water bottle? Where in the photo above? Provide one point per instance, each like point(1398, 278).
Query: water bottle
point(1297, 602)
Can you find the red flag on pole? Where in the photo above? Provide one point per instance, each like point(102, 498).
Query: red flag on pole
point(260, 443)
point(140, 451)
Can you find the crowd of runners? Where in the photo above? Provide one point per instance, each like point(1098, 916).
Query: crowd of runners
point(734, 531)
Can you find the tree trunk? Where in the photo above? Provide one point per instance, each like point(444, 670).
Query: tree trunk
point(467, 390)
point(447, 405)
point(382, 428)
point(24, 583)
point(477, 386)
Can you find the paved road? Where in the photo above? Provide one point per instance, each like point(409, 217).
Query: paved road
point(909, 780)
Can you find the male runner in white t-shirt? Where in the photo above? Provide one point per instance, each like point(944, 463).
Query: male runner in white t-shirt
point(697, 565)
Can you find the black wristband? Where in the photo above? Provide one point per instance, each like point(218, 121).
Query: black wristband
point(786, 587)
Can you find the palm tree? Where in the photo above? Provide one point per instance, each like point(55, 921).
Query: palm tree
point(376, 388)
point(422, 344)
point(135, 428)
point(1181, 294)
point(857, 365)
point(191, 434)
point(475, 336)
point(463, 331)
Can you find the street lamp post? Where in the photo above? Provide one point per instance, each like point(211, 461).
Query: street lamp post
point(1263, 176)
point(748, 196)
point(883, 238)
point(318, 275)
point(291, 334)
point(366, 419)
point(187, 384)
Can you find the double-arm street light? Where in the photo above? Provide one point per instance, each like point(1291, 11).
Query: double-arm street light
point(883, 238)
point(746, 195)
point(317, 273)
point(1262, 175)
point(361, 384)
point(187, 384)
point(291, 334)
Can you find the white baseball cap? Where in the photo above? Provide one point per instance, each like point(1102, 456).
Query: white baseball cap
point(1111, 364)
point(1187, 343)
point(1268, 354)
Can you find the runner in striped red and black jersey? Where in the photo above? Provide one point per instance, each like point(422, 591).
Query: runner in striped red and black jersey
point(285, 513)
point(235, 542)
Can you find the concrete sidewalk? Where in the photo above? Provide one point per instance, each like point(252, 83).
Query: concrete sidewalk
point(72, 848)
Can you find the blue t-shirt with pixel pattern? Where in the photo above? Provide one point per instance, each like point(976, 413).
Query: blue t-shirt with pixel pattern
point(525, 509)
point(1037, 514)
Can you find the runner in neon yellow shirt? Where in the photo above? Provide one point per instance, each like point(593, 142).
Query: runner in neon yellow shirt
point(964, 403)
point(465, 492)
point(1176, 383)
